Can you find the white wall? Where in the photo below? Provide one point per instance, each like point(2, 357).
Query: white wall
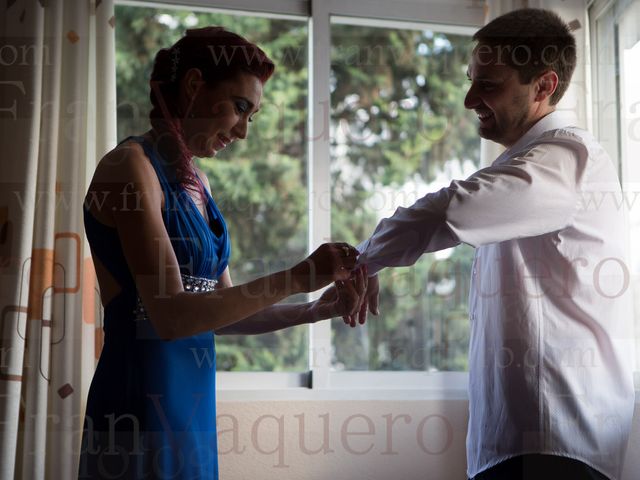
point(353, 440)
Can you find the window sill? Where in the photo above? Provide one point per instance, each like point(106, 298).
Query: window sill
point(343, 386)
point(349, 386)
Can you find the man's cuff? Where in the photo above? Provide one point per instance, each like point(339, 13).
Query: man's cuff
point(372, 267)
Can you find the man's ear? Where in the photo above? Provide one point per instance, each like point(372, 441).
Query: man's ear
point(545, 85)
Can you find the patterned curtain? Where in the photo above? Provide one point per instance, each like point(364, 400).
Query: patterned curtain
point(57, 116)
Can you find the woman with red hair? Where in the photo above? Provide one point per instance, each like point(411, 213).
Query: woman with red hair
point(161, 248)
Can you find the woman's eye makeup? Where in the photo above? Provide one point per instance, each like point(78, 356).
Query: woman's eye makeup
point(242, 106)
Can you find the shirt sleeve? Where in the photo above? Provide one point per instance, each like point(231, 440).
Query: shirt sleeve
point(530, 194)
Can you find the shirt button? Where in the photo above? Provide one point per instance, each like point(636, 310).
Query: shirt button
point(474, 271)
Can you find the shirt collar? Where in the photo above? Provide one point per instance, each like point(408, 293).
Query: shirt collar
point(551, 121)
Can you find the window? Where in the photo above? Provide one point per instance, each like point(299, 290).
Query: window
point(615, 37)
point(399, 130)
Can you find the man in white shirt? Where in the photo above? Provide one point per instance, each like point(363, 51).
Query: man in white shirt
point(550, 383)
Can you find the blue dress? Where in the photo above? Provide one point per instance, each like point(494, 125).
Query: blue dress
point(151, 405)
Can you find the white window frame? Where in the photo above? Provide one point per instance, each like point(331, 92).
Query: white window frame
point(454, 17)
point(405, 383)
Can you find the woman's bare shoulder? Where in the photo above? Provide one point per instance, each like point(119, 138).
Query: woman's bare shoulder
point(125, 163)
point(123, 174)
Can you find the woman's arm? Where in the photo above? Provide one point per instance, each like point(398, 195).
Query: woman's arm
point(340, 300)
point(134, 200)
point(271, 319)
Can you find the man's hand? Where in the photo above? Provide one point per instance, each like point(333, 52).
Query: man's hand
point(344, 298)
point(368, 302)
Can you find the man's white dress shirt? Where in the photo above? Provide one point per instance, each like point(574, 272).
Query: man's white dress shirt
point(551, 347)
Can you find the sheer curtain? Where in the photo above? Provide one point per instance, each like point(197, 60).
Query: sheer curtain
point(57, 116)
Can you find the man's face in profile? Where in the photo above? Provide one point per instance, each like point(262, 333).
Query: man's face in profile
point(502, 103)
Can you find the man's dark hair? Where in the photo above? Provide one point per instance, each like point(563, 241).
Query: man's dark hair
point(532, 41)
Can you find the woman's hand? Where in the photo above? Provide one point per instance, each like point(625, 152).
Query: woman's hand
point(328, 263)
point(344, 299)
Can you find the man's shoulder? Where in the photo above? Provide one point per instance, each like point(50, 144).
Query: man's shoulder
point(574, 138)
point(571, 133)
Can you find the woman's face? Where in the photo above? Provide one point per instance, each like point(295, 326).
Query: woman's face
point(216, 116)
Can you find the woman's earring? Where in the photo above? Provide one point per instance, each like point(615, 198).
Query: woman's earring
point(192, 115)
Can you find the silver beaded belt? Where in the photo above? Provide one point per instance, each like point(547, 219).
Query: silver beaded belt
point(189, 283)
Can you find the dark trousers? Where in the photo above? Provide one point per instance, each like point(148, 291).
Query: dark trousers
point(540, 467)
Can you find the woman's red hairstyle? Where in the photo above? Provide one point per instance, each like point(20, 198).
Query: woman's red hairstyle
point(219, 55)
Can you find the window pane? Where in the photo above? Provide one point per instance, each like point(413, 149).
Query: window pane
point(629, 77)
point(606, 98)
point(616, 74)
point(400, 130)
point(259, 184)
